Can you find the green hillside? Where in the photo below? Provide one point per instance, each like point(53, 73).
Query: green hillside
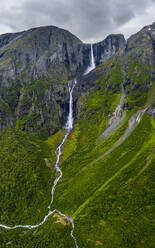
point(107, 185)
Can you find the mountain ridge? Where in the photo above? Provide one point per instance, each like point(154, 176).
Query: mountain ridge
point(104, 178)
point(41, 55)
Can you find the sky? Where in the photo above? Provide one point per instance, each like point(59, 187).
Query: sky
point(90, 20)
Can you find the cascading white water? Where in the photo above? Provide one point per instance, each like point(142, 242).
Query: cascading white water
point(69, 124)
point(92, 62)
point(58, 152)
point(68, 127)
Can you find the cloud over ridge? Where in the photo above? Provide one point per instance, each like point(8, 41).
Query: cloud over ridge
point(90, 20)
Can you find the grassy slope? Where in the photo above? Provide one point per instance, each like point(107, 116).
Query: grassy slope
point(82, 179)
point(25, 190)
point(104, 197)
point(51, 234)
point(120, 212)
point(25, 178)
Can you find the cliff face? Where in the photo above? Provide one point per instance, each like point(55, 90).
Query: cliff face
point(35, 53)
point(35, 67)
point(38, 52)
point(108, 158)
point(136, 63)
point(34, 70)
point(106, 48)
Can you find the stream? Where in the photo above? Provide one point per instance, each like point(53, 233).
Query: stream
point(58, 153)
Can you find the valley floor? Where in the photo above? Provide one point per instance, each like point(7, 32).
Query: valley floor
point(110, 199)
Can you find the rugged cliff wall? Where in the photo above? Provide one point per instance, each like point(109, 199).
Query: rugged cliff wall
point(36, 53)
point(35, 67)
point(106, 48)
point(107, 160)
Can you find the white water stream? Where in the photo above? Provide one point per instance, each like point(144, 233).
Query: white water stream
point(58, 152)
point(92, 62)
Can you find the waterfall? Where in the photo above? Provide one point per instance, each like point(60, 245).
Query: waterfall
point(69, 124)
point(92, 62)
point(68, 127)
point(58, 153)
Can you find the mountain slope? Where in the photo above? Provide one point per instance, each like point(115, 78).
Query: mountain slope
point(108, 159)
point(35, 67)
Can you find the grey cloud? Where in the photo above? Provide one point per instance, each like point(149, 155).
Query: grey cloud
point(88, 19)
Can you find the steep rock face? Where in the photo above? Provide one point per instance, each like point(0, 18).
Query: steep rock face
point(34, 70)
point(142, 44)
point(106, 48)
point(35, 67)
point(139, 64)
point(37, 53)
point(42, 107)
point(7, 39)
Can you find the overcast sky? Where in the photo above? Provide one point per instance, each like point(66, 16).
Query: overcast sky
point(90, 20)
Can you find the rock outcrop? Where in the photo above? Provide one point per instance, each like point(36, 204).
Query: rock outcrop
point(106, 48)
point(35, 67)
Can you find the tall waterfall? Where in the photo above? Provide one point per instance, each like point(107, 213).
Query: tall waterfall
point(58, 153)
point(92, 62)
point(69, 124)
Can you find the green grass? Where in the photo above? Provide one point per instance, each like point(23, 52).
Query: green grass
point(139, 75)
point(110, 198)
point(25, 178)
point(69, 195)
point(2, 62)
point(37, 108)
point(71, 144)
point(147, 149)
point(121, 211)
point(116, 213)
point(12, 46)
point(5, 110)
point(53, 141)
point(51, 234)
point(111, 192)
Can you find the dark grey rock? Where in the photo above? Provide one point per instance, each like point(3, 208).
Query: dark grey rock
point(53, 56)
point(106, 48)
